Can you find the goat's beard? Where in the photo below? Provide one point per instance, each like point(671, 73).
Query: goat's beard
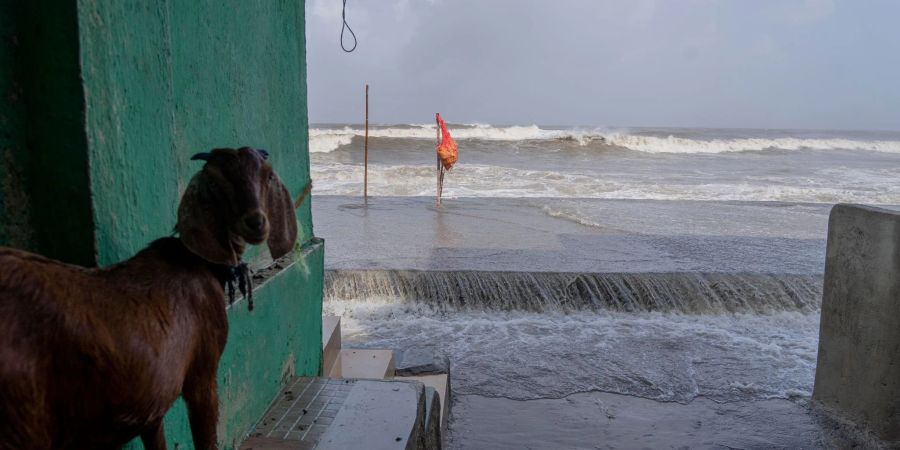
point(238, 244)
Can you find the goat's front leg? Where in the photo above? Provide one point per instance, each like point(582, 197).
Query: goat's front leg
point(202, 401)
point(154, 438)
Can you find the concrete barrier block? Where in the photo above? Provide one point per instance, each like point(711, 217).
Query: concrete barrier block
point(858, 370)
point(331, 342)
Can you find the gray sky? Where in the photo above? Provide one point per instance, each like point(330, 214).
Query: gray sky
point(818, 64)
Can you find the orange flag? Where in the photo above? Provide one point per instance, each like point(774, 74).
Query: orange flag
point(447, 151)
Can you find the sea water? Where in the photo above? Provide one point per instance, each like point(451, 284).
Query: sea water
point(643, 163)
point(743, 331)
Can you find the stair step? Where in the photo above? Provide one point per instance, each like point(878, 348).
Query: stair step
point(378, 415)
point(441, 384)
point(303, 410)
point(364, 363)
point(257, 443)
point(331, 342)
point(348, 414)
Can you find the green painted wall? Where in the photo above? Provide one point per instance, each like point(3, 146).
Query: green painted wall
point(108, 99)
point(164, 80)
point(15, 227)
point(45, 166)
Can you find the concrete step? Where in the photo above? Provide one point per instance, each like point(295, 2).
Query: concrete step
point(331, 342)
point(349, 414)
point(364, 363)
point(424, 360)
point(257, 443)
point(441, 384)
point(379, 415)
point(302, 412)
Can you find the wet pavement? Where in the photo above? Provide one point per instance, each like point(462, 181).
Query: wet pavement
point(571, 235)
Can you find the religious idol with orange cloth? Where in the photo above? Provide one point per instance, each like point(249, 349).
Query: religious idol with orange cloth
point(447, 150)
point(447, 154)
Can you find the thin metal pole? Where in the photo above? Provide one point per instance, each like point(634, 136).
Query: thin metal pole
point(438, 144)
point(366, 158)
point(441, 194)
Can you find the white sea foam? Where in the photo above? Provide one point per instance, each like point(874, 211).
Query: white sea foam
point(830, 186)
point(324, 143)
point(666, 357)
point(328, 139)
point(672, 144)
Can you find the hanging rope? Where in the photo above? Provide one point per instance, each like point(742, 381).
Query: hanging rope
point(347, 26)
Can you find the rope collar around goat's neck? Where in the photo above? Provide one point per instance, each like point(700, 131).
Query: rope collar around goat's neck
point(229, 276)
point(240, 274)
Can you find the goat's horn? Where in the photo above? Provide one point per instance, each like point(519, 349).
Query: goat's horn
point(303, 195)
point(200, 156)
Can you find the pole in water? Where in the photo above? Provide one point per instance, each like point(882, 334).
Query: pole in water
point(439, 167)
point(366, 157)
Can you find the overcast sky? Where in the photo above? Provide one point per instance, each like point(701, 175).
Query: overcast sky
point(817, 64)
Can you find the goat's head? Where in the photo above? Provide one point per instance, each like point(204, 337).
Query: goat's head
point(236, 199)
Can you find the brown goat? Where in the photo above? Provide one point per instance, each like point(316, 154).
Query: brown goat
point(92, 358)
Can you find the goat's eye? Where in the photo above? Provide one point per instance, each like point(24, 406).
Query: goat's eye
point(271, 176)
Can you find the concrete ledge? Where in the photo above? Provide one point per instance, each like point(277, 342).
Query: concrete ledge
point(420, 361)
point(379, 415)
point(364, 363)
point(318, 412)
point(433, 434)
point(258, 443)
point(441, 385)
point(858, 372)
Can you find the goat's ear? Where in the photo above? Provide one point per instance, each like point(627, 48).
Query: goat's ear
point(201, 219)
point(282, 221)
point(200, 157)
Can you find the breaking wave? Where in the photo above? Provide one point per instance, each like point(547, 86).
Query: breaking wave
point(324, 143)
point(326, 140)
point(323, 140)
point(672, 144)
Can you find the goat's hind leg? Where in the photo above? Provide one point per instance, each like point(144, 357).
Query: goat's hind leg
point(154, 438)
point(24, 422)
point(203, 410)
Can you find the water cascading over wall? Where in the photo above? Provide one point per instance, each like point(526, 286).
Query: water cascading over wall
point(679, 292)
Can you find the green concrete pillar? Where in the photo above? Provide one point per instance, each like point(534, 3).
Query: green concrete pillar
point(44, 170)
point(104, 103)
